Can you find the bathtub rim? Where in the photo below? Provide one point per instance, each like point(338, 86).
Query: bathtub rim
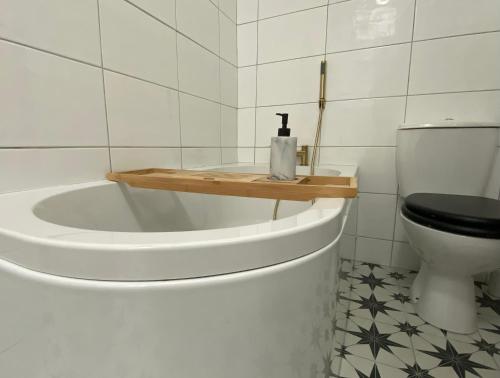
point(325, 209)
point(278, 243)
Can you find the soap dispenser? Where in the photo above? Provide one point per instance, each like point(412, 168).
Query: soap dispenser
point(283, 152)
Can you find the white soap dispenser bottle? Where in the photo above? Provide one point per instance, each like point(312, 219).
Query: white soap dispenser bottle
point(283, 152)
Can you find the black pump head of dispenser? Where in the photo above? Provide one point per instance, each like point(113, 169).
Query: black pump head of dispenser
point(283, 131)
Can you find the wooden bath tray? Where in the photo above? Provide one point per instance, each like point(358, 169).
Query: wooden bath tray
point(303, 188)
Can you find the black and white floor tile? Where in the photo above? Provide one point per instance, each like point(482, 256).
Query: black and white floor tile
point(379, 335)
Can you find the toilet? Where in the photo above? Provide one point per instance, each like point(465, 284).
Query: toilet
point(443, 170)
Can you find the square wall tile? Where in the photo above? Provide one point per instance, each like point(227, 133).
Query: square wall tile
point(247, 10)
point(39, 24)
point(49, 101)
point(162, 9)
point(229, 8)
point(440, 18)
point(466, 106)
point(247, 44)
point(247, 86)
point(229, 155)
point(229, 84)
point(493, 188)
point(376, 72)
point(198, 70)
point(39, 168)
point(199, 20)
point(246, 155)
point(347, 247)
point(228, 40)
point(200, 157)
point(367, 122)
point(270, 8)
point(290, 82)
point(302, 122)
point(456, 64)
point(127, 159)
point(263, 155)
point(377, 166)
point(131, 40)
point(374, 251)
point(403, 256)
point(295, 35)
point(399, 230)
point(246, 127)
point(229, 126)
point(140, 113)
point(358, 24)
point(376, 215)
point(351, 225)
point(200, 122)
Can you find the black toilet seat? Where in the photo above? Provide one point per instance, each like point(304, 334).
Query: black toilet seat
point(457, 214)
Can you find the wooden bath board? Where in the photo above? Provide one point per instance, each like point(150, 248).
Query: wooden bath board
point(303, 188)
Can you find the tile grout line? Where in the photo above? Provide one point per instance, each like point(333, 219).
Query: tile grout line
point(256, 89)
point(220, 84)
point(377, 97)
point(104, 85)
point(404, 120)
point(107, 69)
point(237, 89)
point(177, 30)
point(178, 85)
point(290, 13)
point(372, 47)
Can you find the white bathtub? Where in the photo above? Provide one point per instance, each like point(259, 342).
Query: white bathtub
point(99, 280)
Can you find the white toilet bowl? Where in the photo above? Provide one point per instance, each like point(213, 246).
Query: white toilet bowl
point(443, 169)
point(444, 285)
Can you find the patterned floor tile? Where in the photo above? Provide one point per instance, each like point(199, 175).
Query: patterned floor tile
point(380, 335)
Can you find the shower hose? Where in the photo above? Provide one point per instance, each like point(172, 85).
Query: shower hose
point(317, 138)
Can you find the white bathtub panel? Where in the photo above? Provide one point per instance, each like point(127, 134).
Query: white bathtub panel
point(252, 323)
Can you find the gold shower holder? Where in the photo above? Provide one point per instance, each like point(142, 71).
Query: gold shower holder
point(303, 156)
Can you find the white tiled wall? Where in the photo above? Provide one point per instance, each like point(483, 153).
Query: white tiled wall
point(92, 85)
point(388, 62)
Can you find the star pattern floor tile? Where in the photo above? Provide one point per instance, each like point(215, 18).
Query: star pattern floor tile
point(378, 334)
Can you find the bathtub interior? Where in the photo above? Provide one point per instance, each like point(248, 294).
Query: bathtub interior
point(120, 208)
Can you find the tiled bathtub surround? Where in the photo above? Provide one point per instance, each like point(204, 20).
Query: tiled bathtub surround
point(389, 62)
point(86, 85)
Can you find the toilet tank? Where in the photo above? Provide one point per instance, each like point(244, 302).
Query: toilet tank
point(446, 157)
